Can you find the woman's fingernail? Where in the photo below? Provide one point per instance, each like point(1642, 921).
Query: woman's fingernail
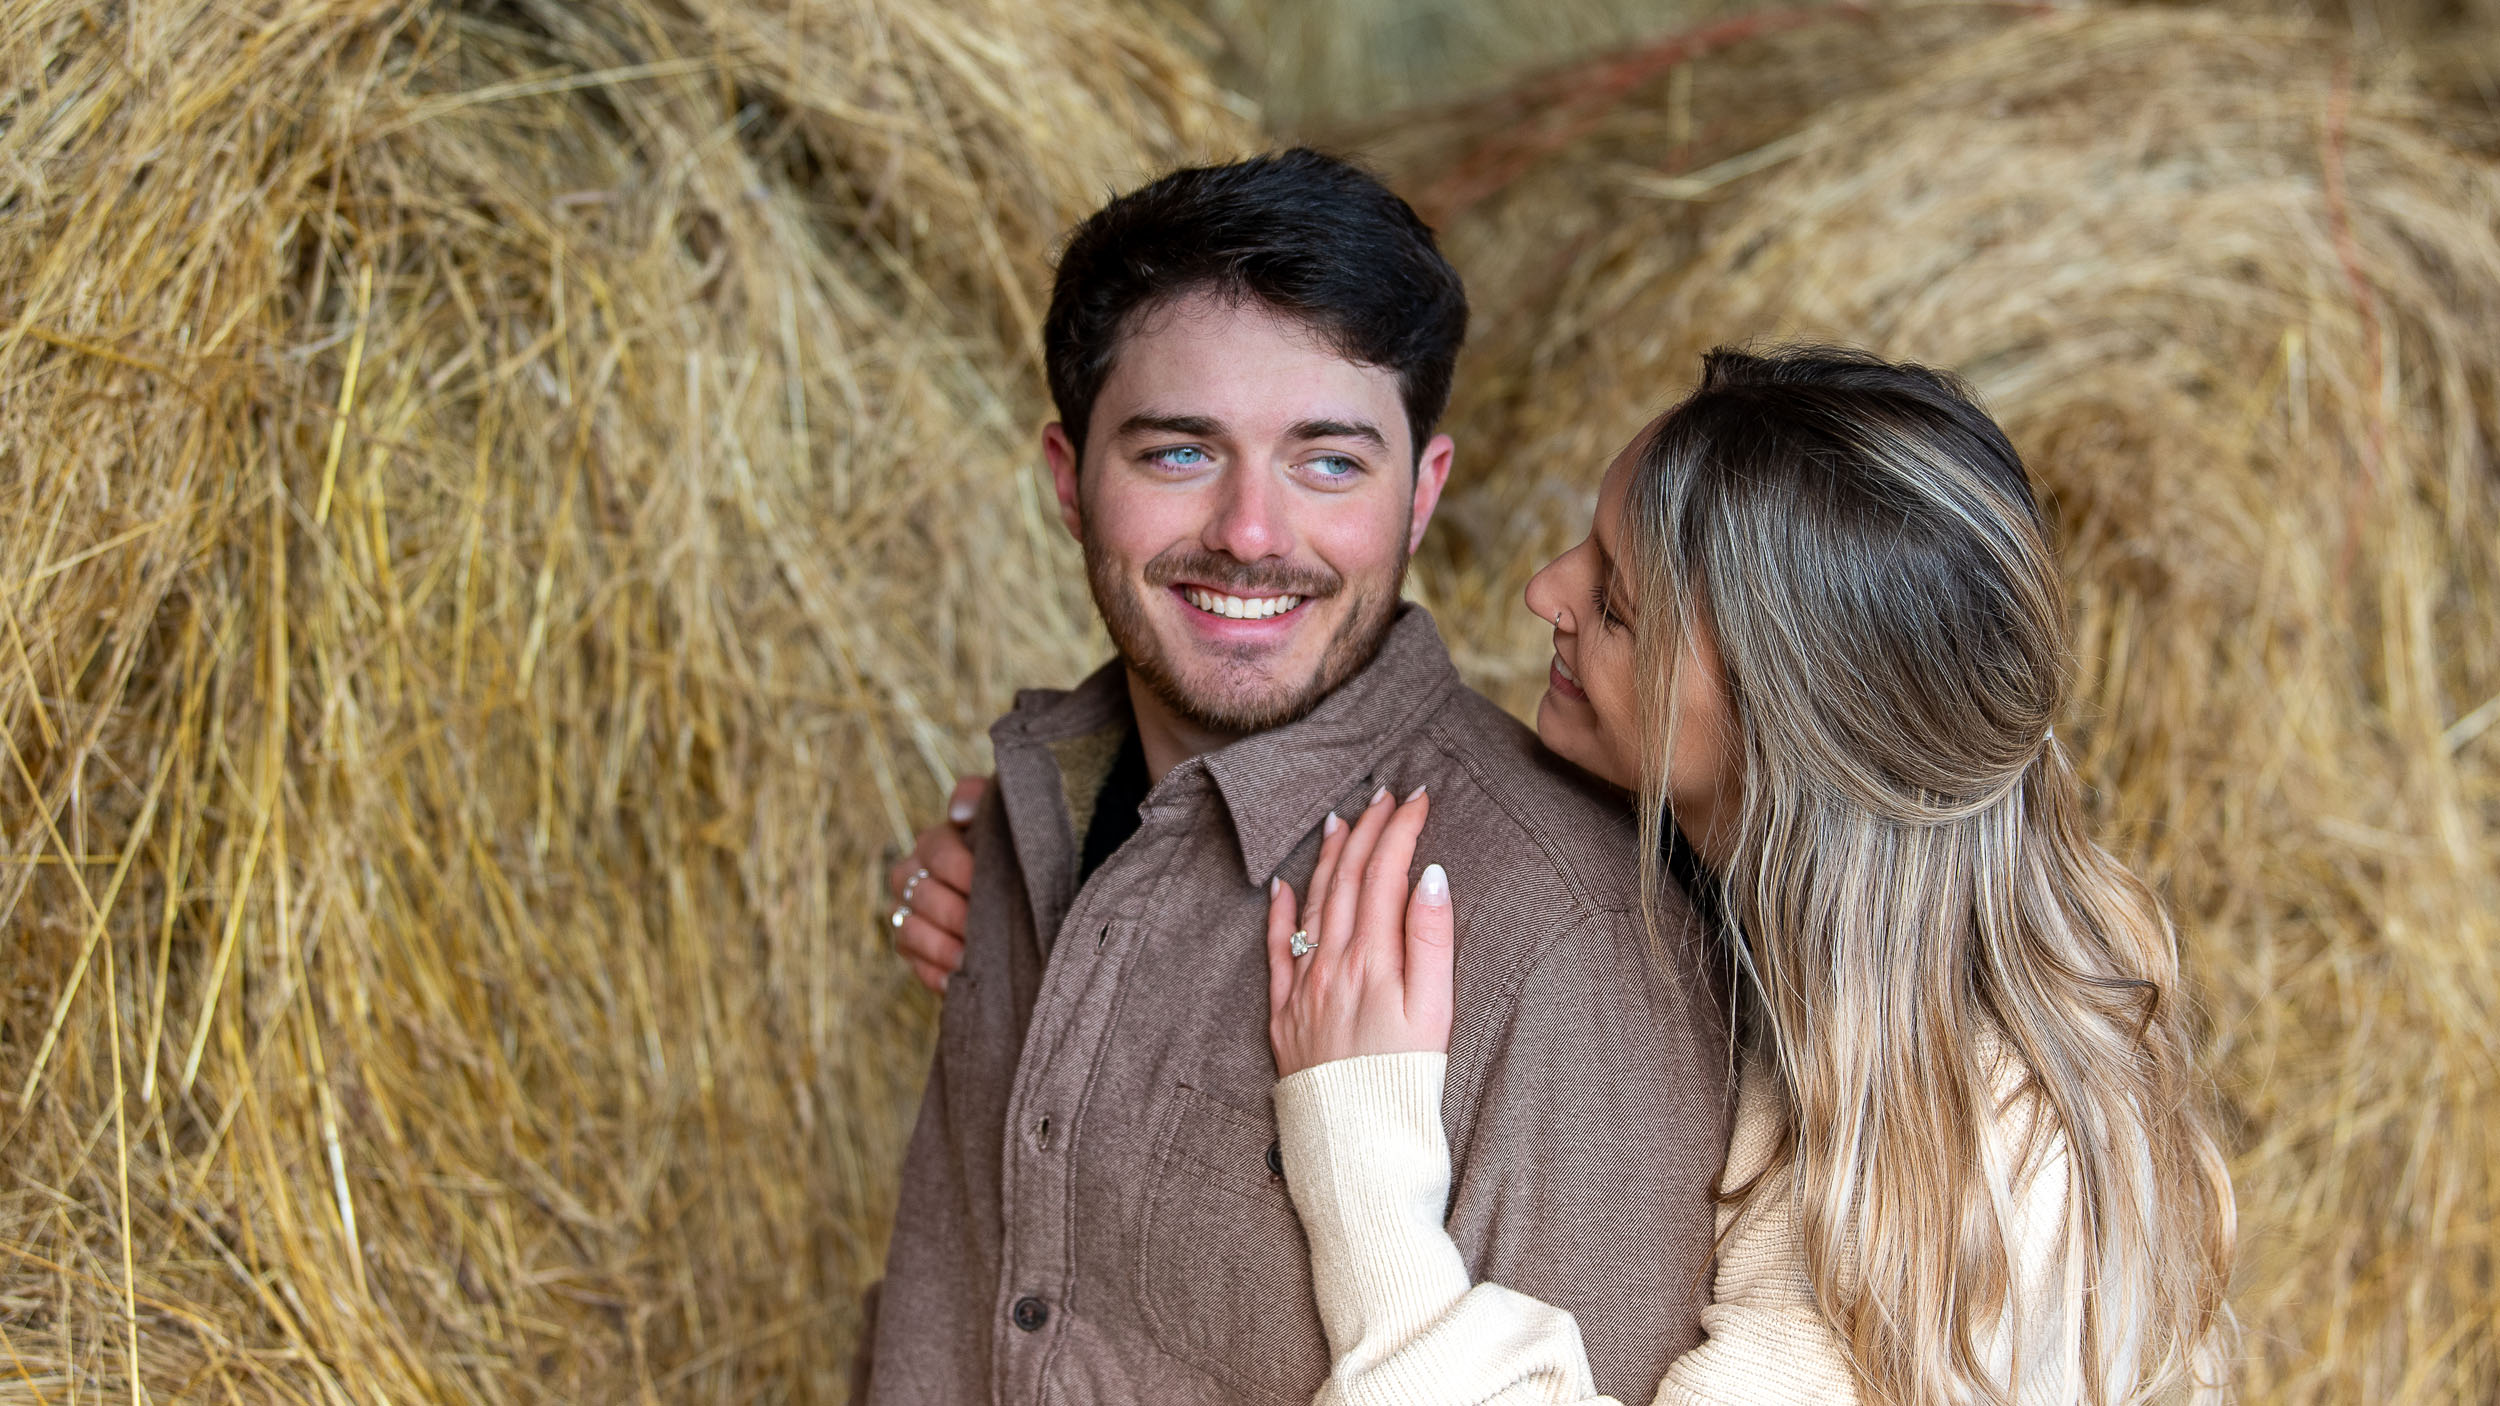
point(960, 812)
point(1436, 884)
point(1331, 824)
point(1273, 885)
point(1380, 795)
point(1415, 795)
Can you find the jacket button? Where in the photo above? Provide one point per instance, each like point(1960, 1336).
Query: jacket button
point(1275, 1159)
point(1031, 1313)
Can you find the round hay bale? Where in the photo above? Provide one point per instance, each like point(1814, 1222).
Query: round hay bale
point(1319, 65)
point(2237, 297)
point(507, 511)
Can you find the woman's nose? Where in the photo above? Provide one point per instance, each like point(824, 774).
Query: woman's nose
point(1544, 596)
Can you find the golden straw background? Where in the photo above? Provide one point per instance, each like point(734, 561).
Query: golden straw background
point(509, 510)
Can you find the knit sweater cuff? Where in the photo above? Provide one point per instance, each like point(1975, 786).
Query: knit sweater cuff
point(1369, 1170)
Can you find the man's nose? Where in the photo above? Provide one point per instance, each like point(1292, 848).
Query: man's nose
point(1249, 519)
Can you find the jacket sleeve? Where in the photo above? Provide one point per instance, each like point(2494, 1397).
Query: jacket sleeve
point(935, 1302)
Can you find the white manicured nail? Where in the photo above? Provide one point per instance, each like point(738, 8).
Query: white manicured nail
point(1331, 825)
point(1436, 884)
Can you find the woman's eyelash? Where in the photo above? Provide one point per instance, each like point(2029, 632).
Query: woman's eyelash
point(1605, 611)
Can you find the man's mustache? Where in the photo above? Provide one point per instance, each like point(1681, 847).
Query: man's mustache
point(1218, 571)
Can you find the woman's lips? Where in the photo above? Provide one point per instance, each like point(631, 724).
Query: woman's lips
point(1559, 677)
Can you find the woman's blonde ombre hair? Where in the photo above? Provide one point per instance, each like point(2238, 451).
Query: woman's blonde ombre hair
point(1910, 890)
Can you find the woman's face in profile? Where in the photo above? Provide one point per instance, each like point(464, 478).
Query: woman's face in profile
point(1590, 714)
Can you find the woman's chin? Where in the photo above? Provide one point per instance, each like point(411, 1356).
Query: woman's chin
point(1568, 730)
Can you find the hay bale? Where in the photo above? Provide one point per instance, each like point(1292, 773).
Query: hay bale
point(507, 510)
point(1314, 64)
point(1319, 68)
point(2237, 297)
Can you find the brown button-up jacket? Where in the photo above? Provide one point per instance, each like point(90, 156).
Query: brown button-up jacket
point(1092, 1210)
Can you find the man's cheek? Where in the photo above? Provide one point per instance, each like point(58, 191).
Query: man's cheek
point(1365, 550)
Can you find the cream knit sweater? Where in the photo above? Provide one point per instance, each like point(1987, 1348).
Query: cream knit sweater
point(1369, 1172)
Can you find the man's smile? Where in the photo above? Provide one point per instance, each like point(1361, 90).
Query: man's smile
point(1237, 607)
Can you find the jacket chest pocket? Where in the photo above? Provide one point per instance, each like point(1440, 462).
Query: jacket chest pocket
point(1225, 1274)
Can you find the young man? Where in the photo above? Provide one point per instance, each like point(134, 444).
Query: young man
point(1248, 361)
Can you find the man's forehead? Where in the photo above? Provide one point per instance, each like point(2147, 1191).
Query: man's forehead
point(1245, 368)
point(1209, 313)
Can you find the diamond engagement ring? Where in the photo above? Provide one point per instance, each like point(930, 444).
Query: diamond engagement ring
point(1301, 945)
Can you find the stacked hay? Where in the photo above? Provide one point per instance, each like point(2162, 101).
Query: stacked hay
point(1318, 66)
point(1317, 63)
point(508, 508)
point(505, 511)
point(2238, 299)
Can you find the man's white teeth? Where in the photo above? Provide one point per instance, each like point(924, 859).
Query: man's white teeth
point(1240, 607)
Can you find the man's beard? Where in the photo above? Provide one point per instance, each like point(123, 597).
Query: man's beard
point(1356, 640)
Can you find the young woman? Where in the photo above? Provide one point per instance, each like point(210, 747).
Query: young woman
point(1817, 630)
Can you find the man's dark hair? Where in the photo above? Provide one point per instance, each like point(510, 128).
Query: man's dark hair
point(1312, 236)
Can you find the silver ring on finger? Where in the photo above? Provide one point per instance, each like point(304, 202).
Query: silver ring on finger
point(912, 886)
point(1302, 944)
point(895, 920)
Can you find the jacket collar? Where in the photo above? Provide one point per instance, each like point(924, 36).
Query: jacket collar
point(1276, 784)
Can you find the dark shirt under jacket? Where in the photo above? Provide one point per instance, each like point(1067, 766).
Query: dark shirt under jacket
point(1090, 1211)
point(1115, 806)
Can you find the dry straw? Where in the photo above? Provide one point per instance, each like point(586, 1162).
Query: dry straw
point(1318, 65)
point(510, 508)
point(505, 512)
point(2237, 296)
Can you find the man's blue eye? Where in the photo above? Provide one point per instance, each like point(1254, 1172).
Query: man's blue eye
point(1336, 466)
point(1187, 456)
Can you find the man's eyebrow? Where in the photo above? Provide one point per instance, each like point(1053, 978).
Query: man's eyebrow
point(1194, 426)
point(1363, 430)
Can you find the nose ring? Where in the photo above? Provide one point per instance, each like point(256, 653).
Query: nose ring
point(1557, 619)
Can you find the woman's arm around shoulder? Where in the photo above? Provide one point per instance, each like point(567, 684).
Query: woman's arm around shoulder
point(1359, 1023)
point(1368, 1169)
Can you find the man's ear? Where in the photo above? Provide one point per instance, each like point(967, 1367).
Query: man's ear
point(1061, 452)
point(1432, 474)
